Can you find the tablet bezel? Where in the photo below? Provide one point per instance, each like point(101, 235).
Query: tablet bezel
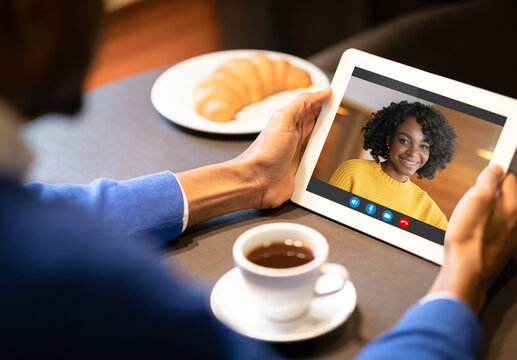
point(352, 58)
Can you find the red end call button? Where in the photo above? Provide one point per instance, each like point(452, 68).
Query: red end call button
point(404, 222)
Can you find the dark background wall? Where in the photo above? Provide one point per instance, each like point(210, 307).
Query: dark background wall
point(472, 41)
point(303, 27)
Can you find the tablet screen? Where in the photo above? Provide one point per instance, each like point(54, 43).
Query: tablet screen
point(403, 155)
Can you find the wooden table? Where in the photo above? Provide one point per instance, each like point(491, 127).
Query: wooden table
point(119, 135)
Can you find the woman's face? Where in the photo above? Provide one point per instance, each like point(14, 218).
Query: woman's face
point(409, 150)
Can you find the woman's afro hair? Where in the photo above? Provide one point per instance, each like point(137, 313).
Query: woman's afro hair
point(438, 133)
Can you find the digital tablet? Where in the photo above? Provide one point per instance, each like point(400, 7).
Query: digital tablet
point(395, 148)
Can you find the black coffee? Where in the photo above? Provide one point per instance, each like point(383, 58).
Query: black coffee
point(281, 254)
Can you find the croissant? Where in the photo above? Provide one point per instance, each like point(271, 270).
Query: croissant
point(241, 81)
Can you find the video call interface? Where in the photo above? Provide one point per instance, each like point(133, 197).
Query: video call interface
point(403, 155)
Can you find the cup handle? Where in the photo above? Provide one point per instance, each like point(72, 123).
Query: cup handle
point(332, 280)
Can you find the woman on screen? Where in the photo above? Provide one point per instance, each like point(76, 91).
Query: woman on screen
point(403, 138)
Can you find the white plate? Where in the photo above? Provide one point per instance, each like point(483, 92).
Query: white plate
point(171, 94)
point(232, 305)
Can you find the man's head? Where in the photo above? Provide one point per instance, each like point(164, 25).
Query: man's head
point(46, 47)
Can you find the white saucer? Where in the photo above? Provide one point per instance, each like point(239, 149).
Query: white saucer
point(232, 305)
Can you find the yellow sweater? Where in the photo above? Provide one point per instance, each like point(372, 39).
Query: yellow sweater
point(365, 178)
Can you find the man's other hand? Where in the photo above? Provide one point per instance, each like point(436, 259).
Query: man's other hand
point(481, 237)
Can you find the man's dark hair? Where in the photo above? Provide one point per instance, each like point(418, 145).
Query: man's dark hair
point(437, 131)
point(46, 47)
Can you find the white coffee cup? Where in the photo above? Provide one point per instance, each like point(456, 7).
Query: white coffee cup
point(283, 294)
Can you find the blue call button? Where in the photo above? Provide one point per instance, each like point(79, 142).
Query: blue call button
point(387, 215)
point(354, 202)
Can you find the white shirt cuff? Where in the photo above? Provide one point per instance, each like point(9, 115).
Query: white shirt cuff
point(185, 206)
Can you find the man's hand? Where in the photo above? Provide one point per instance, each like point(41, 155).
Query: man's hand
point(275, 155)
point(262, 176)
point(481, 237)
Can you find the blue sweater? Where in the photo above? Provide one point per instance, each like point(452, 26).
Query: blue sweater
point(81, 278)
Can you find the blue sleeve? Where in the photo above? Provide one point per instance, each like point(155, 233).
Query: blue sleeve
point(78, 291)
point(438, 329)
point(151, 204)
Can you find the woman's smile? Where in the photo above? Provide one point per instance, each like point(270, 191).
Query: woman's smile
point(410, 164)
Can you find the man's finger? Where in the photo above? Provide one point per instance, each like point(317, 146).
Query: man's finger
point(509, 187)
point(479, 198)
point(489, 180)
point(507, 196)
point(308, 102)
point(317, 99)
